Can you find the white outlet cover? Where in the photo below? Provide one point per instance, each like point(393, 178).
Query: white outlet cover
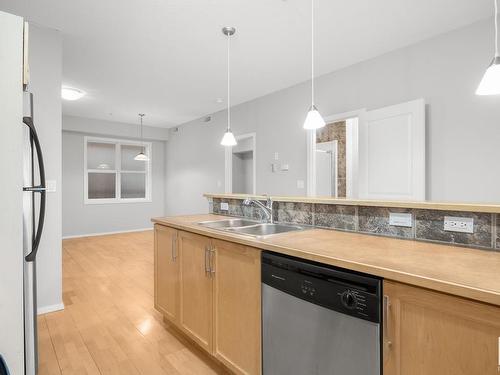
point(400, 219)
point(300, 184)
point(459, 224)
point(224, 206)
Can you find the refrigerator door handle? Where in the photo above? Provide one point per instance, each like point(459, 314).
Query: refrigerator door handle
point(28, 121)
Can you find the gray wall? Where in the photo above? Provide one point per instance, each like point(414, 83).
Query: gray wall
point(11, 196)
point(463, 130)
point(81, 219)
point(45, 58)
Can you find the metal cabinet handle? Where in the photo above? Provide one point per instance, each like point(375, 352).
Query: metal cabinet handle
point(212, 255)
point(207, 266)
point(172, 253)
point(386, 314)
point(498, 368)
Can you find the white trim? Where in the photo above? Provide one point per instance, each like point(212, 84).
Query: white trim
point(228, 164)
point(148, 149)
point(107, 233)
point(351, 155)
point(50, 308)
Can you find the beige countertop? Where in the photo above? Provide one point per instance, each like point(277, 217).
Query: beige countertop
point(456, 270)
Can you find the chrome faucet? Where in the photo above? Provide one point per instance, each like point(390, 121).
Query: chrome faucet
point(267, 209)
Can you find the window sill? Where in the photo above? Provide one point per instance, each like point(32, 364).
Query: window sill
point(117, 201)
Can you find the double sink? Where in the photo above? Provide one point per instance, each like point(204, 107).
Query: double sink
point(250, 227)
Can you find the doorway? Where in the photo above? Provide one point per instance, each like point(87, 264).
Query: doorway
point(241, 166)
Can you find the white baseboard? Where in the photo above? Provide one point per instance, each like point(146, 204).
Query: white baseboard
point(106, 233)
point(50, 308)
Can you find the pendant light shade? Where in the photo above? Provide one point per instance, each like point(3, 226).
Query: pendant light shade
point(490, 84)
point(314, 120)
point(141, 156)
point(228, 139)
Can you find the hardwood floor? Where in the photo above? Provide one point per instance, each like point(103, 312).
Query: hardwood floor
point(109, 324)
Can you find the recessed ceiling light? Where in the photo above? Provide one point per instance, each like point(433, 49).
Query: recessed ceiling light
point(69, 93)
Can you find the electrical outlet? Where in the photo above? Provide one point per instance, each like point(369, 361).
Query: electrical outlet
point(300, 184)
point(224, 206)
point(400, 219)
point(459, 224)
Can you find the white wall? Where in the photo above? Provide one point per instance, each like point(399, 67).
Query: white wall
point(45, 59)
point(11, 229)
point(463, 130)
point(81, 219)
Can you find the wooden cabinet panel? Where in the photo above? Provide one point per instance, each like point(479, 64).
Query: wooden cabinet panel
point(437, 334)
point(237, 304)
point(166, 272)
point(196, 302)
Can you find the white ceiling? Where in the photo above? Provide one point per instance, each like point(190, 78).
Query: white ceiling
point(166, 58)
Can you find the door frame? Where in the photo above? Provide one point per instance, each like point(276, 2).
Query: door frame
point(352, 142)
point(228, 164)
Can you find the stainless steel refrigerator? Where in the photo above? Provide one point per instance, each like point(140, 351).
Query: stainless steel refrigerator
point(33, 218)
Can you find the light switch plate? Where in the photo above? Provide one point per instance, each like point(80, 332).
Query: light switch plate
point(224, 206)
point(51, 186)
point(459, 224)
point(400, 219)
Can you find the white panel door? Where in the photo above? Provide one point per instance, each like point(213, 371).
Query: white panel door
point(392, 152)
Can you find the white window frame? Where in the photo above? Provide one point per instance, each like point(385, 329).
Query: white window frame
point(117, 171)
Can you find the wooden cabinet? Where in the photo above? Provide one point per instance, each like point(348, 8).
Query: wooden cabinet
point(430, 333)
point(210, 289)
point(237, 306)
point(166, 272)
point(196, 288)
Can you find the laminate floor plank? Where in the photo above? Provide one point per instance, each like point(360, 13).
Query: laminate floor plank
point(109, 325)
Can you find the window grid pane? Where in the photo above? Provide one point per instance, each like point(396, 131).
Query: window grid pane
point(133, 185)
point(102, 185)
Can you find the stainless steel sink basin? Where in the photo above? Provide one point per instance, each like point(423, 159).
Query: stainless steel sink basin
point(266, 229)
point(229, 223)
point(249, 227)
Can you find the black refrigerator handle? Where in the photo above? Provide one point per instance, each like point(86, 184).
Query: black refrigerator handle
point(37, 189)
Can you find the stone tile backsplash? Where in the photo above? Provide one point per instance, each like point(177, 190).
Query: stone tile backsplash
point(375, 220)
point(427, 224)
point(335, 216)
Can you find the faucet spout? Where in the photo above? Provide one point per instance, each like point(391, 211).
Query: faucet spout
point(267, 209)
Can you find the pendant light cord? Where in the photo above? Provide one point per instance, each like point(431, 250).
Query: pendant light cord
point(228, 86)
point(312, 53)
point(497, 54)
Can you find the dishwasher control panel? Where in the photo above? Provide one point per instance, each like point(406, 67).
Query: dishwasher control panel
point(337, 289)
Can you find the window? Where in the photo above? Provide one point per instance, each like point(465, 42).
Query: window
point(111, 173)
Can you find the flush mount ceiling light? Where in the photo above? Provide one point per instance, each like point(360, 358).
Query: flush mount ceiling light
point(228, 139)
point(141, 156)
point(313, 118)
point(490, 84)
point(70, 93)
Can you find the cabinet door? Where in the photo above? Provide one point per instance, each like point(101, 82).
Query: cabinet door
point(166, 272)
point(195, 288)
point(437, 334)
point(237, 319)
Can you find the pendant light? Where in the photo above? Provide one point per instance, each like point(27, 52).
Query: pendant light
point(141, 156)
point(490, 84)
point(228, 139)
point(314, 120)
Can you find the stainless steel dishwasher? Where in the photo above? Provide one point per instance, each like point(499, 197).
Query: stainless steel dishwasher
point(318, 319)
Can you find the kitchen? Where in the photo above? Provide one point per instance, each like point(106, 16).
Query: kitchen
point(179, 192)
